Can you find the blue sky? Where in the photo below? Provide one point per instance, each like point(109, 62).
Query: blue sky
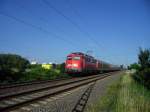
point(112, 29)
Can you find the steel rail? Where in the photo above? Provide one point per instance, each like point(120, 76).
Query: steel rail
point(5, 86)
point(54, 90)
point(45, 88)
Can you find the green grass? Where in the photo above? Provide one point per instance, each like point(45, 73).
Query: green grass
point(125, 95)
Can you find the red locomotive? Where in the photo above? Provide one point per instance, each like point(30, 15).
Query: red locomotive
point(82, 63)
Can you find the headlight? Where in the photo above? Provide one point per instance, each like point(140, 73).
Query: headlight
point(75, 65)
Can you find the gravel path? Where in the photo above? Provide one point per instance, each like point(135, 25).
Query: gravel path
point(100, 89)
point(65, 102)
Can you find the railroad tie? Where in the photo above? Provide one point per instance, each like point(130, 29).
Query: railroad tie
point(79, 107)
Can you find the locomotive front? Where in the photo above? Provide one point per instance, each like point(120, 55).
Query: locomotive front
point(74, 63)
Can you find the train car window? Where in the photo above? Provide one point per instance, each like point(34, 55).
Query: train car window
point(76, 58)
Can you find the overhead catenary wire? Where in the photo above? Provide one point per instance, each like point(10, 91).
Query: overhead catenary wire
point(36, 27)
point(43, 20)
point(83, 21)
point(46, 2)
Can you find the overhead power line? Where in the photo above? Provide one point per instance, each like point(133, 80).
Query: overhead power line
point(71, 21)
point(36, 27)
point(41, 18)
point(60, 13)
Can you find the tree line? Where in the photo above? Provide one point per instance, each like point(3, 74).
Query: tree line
point(14, 68)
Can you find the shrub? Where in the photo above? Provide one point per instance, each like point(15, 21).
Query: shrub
point(11, 67)
point(142, 74)
point(145, 77)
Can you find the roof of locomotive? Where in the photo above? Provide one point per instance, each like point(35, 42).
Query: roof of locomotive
point(80, 54)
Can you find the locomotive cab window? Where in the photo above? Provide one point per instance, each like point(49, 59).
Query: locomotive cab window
point(76, 58)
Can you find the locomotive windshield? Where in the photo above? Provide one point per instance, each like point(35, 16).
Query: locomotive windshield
point(76, 58)
point(73, 58)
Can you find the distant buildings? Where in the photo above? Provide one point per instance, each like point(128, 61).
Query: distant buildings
point(47, 66)
point(34, 62)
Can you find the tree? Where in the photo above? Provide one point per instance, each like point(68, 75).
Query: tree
point(135, 66)
point(144, 58)
point(143, 74)
point(61, 67)
point(12, 66)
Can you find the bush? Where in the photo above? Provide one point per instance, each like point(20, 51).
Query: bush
point(134, 66)
point(11, 67)
point(61, 67)
point(142, 74)
point(14, 68)
point(39, 73)
point(146, 74)
point(144, 77)
point(144, 58)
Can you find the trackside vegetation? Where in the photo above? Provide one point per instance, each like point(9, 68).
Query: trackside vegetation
point(132, 92)
point(14, 68)
point(125, 95)
point(142, 74)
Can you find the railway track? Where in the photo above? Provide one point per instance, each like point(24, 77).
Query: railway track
point(80, 106)
point(25, 89)
point(5, 86)
point(20, 98)
point(7, 90)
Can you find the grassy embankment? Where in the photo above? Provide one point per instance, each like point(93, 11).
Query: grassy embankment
point(125, 95)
